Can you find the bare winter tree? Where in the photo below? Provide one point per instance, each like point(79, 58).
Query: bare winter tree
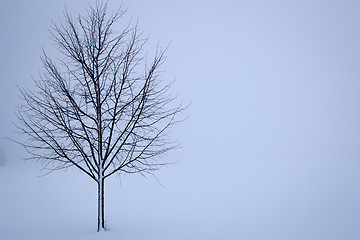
point(102, 106)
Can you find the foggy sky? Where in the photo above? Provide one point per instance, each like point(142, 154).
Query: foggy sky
point(271, 149)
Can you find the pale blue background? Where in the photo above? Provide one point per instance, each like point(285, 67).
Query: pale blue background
point(272, 147)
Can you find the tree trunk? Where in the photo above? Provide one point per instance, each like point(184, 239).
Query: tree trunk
point(101, 219)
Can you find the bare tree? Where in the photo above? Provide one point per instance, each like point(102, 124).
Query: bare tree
point(101, 107)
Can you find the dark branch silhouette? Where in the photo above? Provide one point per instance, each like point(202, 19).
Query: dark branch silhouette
point(100, 107)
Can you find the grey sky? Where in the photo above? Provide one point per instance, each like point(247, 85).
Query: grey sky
point(273, 138)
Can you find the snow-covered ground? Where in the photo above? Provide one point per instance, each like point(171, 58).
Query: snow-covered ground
point(233, 200)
